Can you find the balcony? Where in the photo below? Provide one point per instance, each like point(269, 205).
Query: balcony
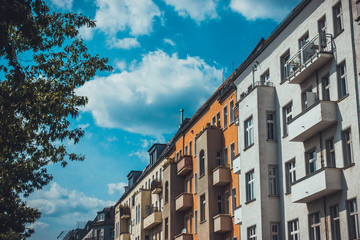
point(184, 236)
point(238, 215)
point(156, 187)
point(314, 119)
point(236, 164)
point(125, 236)
point(310, 57)
point(222, 223)
point(316, 185)
point(184, 165)
point(153, 219)
point(183, 202)
point(221, 176)
point(124, 212)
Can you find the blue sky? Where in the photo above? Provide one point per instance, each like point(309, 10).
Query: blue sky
point(167, 55)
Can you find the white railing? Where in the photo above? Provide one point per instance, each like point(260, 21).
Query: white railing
point(321, 43)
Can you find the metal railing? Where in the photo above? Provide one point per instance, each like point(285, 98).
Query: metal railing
point(253, 86)
point(151, 210)
point(124, 211)
point(155, 184)
point(321, 43)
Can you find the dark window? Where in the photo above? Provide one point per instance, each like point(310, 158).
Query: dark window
point(166, 191)
point(342, 80)
point(354, 232)
point(290, 174)
point(335, 222)
point(270, 124)
point(347, 147)
point(326, 88)
point(250, 188)
point(225, 114)
point(202, 207)
point(330, 153)
point(338, 19)
point(314, 225)
point(285, 69)
point(287, 116)
point(202, 163)
point(166, 228)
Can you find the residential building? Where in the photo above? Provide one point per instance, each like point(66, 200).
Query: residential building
point(102, 227)
point(273, 153)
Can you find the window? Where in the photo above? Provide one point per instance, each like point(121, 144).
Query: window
point(314, 226)
point(117, 227)
point(308, 98)
point(290, 174)
point(342, 81)
point(322, 25)
point(311, 161)
point(195, 182)
point(213, 121)
point(251, 232)
point(354, 232)
point(227, 203)
point(232, 153)
point(326, 88)
point(219, 204)
point(202, 207)
point(250, 191)
point(285, 71)
point(190, 184)
point(190, 223)
point(270, 123)
point(186, 150)
point(225, 114)
point(190, 147)
point(218, 159)
point(273, 189)
point(195, 221)
point(265, 77)
point(338, 19)
point(233, 200)
point(166, 191)
point(287, 115)
point(226, 158)
point(202, 163)
point(330, 153)
point(249, 137)
point(218, 119)
point(275, 233)
point(166, 228)
point(231, 106)
point(347, 147)
point(335, 222)
point(294, 233)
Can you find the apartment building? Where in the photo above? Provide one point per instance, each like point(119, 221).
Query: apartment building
point(188, 190)
point(101, 228)
point(273, 153)
point(298, 101)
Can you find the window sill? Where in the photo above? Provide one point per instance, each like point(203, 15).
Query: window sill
point(273, 196)
point(248, 147)
point(224, 128)
point(288, 193)
point(339, 33)
point(348, 166)
point(342, 98)
point(285, 136)
point(252, 200)
point(201, 222)
point(202, 175)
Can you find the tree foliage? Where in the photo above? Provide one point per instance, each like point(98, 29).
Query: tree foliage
point(42, 62)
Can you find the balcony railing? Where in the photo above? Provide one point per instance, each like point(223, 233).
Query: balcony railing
point(222, 223)
point(184, 165)
point(310, 57)
point(252, 87)
point(156, 186)
point(316, 185)
point(184, 201)
point(314, 119)
point(124, 212)
point(184, 236)
point(153, 218)
point(221, 176)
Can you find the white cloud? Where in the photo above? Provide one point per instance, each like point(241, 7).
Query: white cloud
point(64, 4)
point(143, 155)
point(121, 65)
point(263, 9)
point(116, 187)
point(112, 139)
point(199, 10)
point(38, 225)
point(138, 16)
point(66, 205)
point(86, 33)
point(125, 43)
point(84, 126)
point(146, 98)
point(169, 41)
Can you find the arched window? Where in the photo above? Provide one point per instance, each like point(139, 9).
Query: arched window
point(166, 191)
point(202, 163)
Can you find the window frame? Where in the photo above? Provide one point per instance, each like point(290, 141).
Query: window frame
point(202, 208)
point(283, 68)
point(338, 18)
point(248, 132)
point(314, 226)
point(311, 161)
point(353, 219)
point(330, 152)
point(287, 117)
point(251, 233)
point(231, 110)
point(225, 117)
point(290, 174)
point(250, 185)
point(270, 126)
point(335, 221)
point(343, 89)
point(347, 147)
point(273, 181)
point(293, 229)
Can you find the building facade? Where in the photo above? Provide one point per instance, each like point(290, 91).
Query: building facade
point(274, 153)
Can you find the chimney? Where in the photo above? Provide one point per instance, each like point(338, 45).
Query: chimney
point(182, 116)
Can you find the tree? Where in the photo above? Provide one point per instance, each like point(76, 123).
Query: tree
point(42, 62)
